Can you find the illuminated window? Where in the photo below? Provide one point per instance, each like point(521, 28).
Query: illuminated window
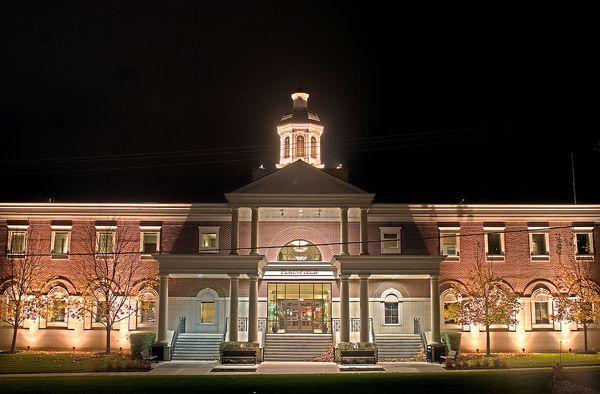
point(209, 239)
point(538, 244)
point(313, 147)
point(449, 297)
point(300, 146)
point(390, 239)
point(101, 310)
point(60, 242)
point(207, 312)
point(105, 242)
point(286, 147)
point(17, 241)
point(449, 242)
point(147, 308)
point(390, 307)
point(299, 250)
point(150, 241)
point(57, 309)
point(541, 307)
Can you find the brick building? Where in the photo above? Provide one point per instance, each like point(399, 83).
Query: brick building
point(300, 256)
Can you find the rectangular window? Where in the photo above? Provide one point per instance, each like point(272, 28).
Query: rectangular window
point(583, 242)
point(539, 244)
point(207, 312)
point(150, 241)
point(391, 312)
point(60, 242)
point(449, 242)
point(390, 239)
point(495, 243)
point(209, 239)
point(542, 316)
point(17, 241)
point(105, 242)
point(58, 311)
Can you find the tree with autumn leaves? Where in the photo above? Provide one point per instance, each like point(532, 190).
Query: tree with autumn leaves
point(485, 299)
point(578, 300)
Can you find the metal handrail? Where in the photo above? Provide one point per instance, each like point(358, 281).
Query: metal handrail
point(226, 326)
point(423, 340)
point(372, 330)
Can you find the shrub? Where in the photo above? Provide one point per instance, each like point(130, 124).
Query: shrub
point(141, 341)
point(452, 340)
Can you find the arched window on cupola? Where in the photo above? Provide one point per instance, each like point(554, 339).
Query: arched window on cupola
point(313, 148)
point(286, 148)
point(300, 146)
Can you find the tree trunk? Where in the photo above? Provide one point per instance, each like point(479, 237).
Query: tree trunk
point(14, 338)
point(108, 339)
point(585, 345)
point(487, 340)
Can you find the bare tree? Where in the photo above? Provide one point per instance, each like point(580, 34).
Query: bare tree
point(578, 300)
point(109, 272)
point(22, 291)
point(486, 299)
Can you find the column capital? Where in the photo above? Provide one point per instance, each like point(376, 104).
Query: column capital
point(253, 276)
point(434, 276)
point(344, 277)
point(233, 276)
point(364, 276)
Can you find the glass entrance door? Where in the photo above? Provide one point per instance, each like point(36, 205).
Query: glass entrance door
point(299, 308)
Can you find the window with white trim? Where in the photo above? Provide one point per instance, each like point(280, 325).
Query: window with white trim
point(61, 240)
point(390, 310)
point(207, 312)
point(390, 239)
point(209, 239)
point(146, 307)
point(57, 308)
point(584, 245)
point(449, 242)
point(494, 242)
point(101, 311)
point(449, 297)
point(17, 240)
point(149, 239)
point(105, 240)
point(538, 243)
point(541, 309)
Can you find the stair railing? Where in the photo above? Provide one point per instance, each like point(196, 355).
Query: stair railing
point(423, 341)
point(371, 330)
point(225, 332)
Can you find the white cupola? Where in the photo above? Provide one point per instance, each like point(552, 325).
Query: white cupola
point(300, 133)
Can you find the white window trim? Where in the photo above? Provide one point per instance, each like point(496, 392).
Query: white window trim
point(56, 229)
point(208, 230)
point(549, 305)
point(50, 323)
point(104, 229)
point(391, 230)
point(139, 321)
point(13, 229)
point(456, 232)
point(149, 229)
point(590, 232)
point(539, 230)
point(500, 230)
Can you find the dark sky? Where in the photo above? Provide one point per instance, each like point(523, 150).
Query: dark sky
point(137, 102)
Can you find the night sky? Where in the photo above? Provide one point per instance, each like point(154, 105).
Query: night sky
point(156, 101)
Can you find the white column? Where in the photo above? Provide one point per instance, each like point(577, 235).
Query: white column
point(234, 230)
point(253, 309)
point(364, 232)
point(434, 290)
point(344, 212)
point(254, 232)
point(163, 309)
point(344, 310)
point(234, 280)
point(364, 308)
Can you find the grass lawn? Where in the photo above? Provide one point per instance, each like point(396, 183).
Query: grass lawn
point(504, 381)
point(40, 362)
point(538, 359)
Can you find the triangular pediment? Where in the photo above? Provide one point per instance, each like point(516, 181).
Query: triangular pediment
point(298, 181)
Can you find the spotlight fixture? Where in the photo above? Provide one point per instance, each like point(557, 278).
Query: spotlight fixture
point(339, 166)
point(523, 350)
point(261, 167)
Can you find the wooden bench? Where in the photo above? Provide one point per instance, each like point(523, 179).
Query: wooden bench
point(351, 356)
point(451, 356)
point(147, 357)
point(238, 357)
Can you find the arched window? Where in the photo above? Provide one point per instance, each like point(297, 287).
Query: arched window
point(147, 307)
point(57, 307)
point(313, 147)
point(286, 147)
point(300, 146)
point(449, 297)
point(541, 307)
point(299, 250)
point(390, 309)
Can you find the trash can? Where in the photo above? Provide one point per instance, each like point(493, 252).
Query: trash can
point(435, 351)
point(158, 350)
